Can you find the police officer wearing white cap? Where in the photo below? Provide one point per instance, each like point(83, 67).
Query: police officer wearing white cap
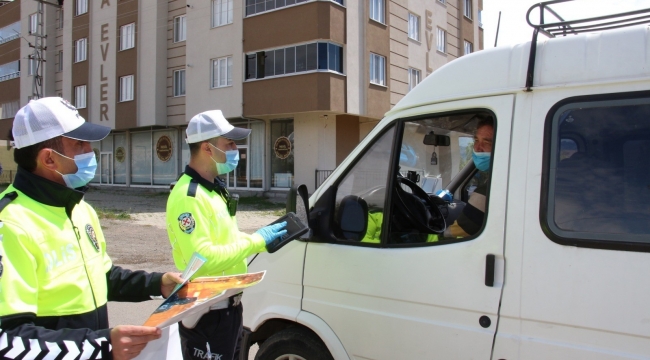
point(55, 274)
point(201, 218)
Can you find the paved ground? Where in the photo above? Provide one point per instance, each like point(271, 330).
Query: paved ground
point(141, 241)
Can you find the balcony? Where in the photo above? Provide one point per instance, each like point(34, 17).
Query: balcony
point(10, 76)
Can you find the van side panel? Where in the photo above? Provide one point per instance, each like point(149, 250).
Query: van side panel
point(565, 302)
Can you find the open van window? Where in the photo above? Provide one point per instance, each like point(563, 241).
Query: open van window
point(430, 152)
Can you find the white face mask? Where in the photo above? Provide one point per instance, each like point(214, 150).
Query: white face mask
point(232, 159)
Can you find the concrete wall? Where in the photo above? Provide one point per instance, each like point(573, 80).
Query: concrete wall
point(207, 43)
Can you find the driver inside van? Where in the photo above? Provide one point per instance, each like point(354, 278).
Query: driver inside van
point(471, 219)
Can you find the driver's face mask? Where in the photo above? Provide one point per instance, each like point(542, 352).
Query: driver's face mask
point(481, 160)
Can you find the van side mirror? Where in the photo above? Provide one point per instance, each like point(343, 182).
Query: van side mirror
point(298, 203)
point(436, 140)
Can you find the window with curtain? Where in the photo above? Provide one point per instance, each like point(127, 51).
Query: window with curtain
point(80, 50)
point(126, 88)
point(468, 47)
point(415, 76)
point(377, 69)
point(127, 36)
point(179, 83)
point(80, 97)
point(222, 72)
point(81, 7)
point(377, 10)
point(467, 9)
point(222, 11)
point(180, 27)
point(414, 27)
point(441, 41)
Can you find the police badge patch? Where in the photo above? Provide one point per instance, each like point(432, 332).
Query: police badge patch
point(92, 236)
point(186, 223)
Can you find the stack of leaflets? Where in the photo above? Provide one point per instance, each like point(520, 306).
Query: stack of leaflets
point(196, 296)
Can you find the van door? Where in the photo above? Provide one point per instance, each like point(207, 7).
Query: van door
point(582, 286)
point(393, 290)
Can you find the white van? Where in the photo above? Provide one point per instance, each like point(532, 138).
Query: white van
point(559, 267)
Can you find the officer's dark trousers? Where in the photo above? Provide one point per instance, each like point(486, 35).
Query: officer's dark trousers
point(222, 329)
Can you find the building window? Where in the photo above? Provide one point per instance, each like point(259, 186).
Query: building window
point(126, 88)
point(80, 50)
point(441, 44)
point(415, 76)
point(467, 9)
point(179, 83)
point(32, 67)
point(60, 18)
point(80, 97)
point(319, 56)
point(221, 12)
point(59, 65)
point(81, 8)
point(33, 24)
point(127, 36)
point(377, 10)
point(480, 18)
point(377, 69)
point(441, 1)
point(414, 27)
point(180, 27)
point(468, 47)
point(222, 72)
point(257, 6)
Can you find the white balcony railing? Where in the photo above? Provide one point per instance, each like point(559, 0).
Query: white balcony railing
point(13, 75)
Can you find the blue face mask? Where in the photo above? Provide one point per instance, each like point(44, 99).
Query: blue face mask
point(232, 159)
point(86, 167)
point(481, 160)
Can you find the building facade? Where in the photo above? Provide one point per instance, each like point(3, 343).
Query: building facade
point(310, 78)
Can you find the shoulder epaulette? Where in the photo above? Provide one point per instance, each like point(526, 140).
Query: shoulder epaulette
point(191, 190)
point(9, 197)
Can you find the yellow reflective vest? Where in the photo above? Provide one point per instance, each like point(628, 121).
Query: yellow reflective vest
point(56, 277)
point(198, 221)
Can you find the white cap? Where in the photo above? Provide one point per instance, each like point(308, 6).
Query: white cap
point(211, 124)
point(49, 117)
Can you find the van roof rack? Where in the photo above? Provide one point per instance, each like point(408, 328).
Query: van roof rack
point(565, 27)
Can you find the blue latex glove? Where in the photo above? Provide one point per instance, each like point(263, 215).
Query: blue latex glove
point(272, 232)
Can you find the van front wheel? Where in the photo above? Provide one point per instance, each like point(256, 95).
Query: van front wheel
point(293, 343)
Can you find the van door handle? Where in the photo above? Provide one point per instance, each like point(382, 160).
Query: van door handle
point(489, 270)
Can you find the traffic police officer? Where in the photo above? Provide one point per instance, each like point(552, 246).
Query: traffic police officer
point(56, 277)
point(201, 218)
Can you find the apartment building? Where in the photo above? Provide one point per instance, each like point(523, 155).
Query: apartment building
point(309, 77)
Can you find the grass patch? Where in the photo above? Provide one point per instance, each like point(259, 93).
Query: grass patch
point(113, 214)
point(260, 203)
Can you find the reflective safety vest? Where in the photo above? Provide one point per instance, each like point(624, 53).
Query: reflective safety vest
point(53, 264)
point(198, 221)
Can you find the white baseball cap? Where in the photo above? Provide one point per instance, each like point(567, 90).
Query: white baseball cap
point(49, 117)
point(210, 124)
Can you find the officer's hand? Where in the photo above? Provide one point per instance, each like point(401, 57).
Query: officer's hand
point(168, 283)
point(272, 232)
point(128, 340)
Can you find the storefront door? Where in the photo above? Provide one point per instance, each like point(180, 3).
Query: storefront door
point(106, 168)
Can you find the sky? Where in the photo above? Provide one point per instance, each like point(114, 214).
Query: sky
point(514, 29)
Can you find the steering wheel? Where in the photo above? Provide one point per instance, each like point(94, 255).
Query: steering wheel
point(417, 208)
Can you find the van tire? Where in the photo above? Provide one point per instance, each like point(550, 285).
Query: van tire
point(293, 343)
